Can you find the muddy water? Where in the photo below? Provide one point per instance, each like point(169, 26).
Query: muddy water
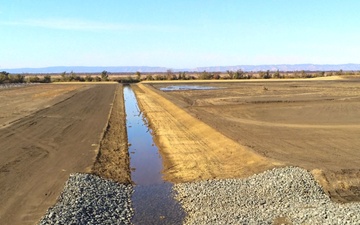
point(152, 200)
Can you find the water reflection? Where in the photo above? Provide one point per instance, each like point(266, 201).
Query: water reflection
point(186, 87)
point(152, 199)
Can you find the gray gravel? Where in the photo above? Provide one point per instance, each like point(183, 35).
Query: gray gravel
point(89, 199)
point(284, 195)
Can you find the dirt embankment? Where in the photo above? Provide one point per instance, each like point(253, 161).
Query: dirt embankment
point(192, 150)
point(112, 161)
point(40, 150)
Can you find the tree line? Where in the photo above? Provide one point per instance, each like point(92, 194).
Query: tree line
point(5, 77)
point(240, 74)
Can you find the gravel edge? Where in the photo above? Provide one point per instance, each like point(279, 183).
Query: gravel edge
point(89, 199)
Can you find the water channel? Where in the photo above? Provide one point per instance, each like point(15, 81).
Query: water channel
point(153, 198)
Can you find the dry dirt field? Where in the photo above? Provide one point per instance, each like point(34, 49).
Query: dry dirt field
point(46, 133)
point(314, 124)
point(16, 103)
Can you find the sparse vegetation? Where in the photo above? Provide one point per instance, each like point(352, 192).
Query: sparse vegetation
point(5, 77)
point(170, 75)
point(88, 78)
point(205, 76)
point(149, 77)
point(138, 75)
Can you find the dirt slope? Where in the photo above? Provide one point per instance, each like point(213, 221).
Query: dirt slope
point(38, 152)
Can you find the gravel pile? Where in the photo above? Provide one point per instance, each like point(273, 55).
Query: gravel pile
point(88, 199)
point(282, 196)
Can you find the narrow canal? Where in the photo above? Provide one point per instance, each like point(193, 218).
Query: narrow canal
point(153, 198)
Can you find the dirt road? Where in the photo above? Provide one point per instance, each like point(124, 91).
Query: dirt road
point(313, 124)
point(39, 151)
point(16, 103)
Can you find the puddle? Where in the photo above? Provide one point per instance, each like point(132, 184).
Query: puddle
point(186, 88)
point(152, 200)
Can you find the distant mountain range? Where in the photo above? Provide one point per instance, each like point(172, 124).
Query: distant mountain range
point(284, 67)
point(149, 69)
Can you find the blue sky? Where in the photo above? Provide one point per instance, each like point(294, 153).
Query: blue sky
point(178, 34)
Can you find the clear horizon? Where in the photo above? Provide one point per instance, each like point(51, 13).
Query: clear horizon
point(194, 67)
point(178, 34)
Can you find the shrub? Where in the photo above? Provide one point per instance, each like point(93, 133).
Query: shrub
point(16, 78)
point(104, 75)
point(88, 78)
point(149, 77)
point(46, 79)
point(34, 79)
point(205, 75)
point(265, 75)
point(4, 76)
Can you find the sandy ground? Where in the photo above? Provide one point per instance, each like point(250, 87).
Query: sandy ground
point(44, 144)
point(312, 123)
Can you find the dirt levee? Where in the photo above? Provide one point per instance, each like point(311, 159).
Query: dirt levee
point(192, 150)
point(314, 124)
point(39, 151)
point(112, 161)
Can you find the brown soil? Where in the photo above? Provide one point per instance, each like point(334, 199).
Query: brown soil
point(39, 150)
point(313, 124)
point(112, 161)
point(18, 102)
